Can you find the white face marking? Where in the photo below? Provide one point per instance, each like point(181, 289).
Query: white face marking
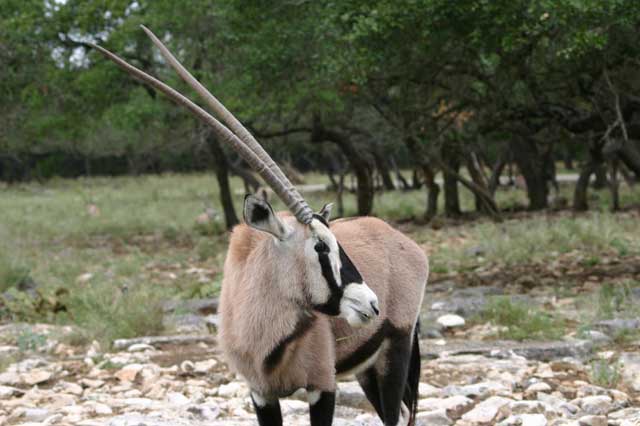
point(313, 397)
point(358, 305)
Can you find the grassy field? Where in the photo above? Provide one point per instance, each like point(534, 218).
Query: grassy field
point(104, 253)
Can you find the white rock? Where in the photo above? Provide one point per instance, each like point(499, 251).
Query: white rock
point(532, 391)
point(425, 390)
point(35, 414)
point(596, 405)
point(454, 406)
point(432, 418)
point(176, 398)
point(350, 394)
point(486, 411)
point(592, 421)
point(7, 392)
point(128, 373)
point(526, 407)
point(205, 412)
point(203, 367)
point(451, 321)
point(140, 347)
point(533, 420)
point(233, 390)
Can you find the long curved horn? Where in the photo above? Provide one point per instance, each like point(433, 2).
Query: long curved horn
point(303, 213)
point(298, 204)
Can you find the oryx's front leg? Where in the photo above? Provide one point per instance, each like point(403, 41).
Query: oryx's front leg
point(321, 407)
point(267, 410)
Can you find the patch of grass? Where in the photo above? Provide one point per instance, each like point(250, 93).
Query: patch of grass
point(106, 313)
point(614, 299)
point(522, 321)
point(542, 239)
point(605, 373)
point(29, 341)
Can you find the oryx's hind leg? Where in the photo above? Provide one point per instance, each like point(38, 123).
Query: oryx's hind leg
point(392, 369)
point(267, 410)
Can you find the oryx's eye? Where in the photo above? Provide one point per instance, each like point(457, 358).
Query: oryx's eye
point(321, 247)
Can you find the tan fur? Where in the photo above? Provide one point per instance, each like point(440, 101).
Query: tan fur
point(258, 310)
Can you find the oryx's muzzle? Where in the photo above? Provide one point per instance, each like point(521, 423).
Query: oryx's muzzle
point(359, 304)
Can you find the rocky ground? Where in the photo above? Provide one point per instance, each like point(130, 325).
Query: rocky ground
point(468, 378)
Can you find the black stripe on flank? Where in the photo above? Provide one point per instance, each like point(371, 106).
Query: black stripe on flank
point(275, 356)
point(367, 349)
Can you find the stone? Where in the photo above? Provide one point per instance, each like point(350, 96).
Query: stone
point(425, 390)
point(204, 367)
point(454, 406)
point(614, 327)
point(596, 405)
point(35, 414)
point(533, 420)
point(526, 407)
point(597, 336)
point(487, 411)
point(98, 408)
point(140, 347)
point(350, 394)
point(205, 412)
point(630, 362)
point(451, 321)
point(592, 421)
point(7, 392)
point(478, 390)
point(177, 398)
point(433, 418)
point(532, 391)
point(128, 373)
point(233, 390)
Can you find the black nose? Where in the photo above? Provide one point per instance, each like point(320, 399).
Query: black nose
point(374, 306)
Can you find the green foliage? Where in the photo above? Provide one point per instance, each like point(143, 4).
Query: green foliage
point(605, 373)
point(522, 321)
point(29, 341)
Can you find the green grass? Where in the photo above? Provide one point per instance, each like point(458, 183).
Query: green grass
point(539, 239)
point(108, 273)
point(522, 321)
point(605, 373)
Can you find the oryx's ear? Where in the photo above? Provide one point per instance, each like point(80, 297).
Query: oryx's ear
point(258, 214)
point(325, 211)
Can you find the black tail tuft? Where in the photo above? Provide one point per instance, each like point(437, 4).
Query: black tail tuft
point(410, 397)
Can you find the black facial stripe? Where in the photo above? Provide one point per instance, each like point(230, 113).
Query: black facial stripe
point(275, 356)
point(348, 272)
point(332, 306)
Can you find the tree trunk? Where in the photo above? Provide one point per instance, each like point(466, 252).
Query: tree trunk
point(451, 194)
point(221, 166)
point(596, 159)
point(601, 177)
point(529, 161)
point(433, 192)
point(399, 177)
point(496, 172)
point(359, 164)
point(383, 169)
point(474, 168)
point(614, 185)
